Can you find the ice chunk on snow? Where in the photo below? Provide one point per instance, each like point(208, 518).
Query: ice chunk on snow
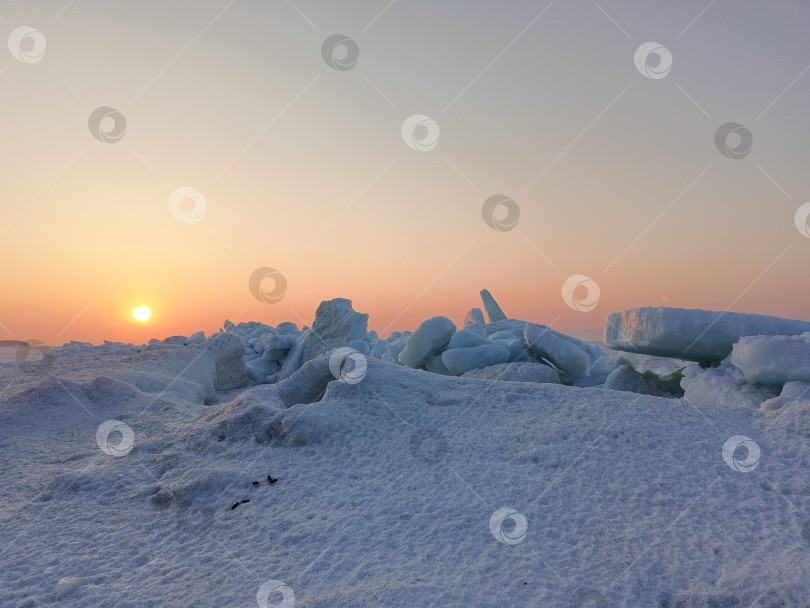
point(228, 352)
point(464, 338)
point(307, 384)
point(460, 360)
point(294, 358)
point(259, 369)
point(562, 353)
point(494, 312)
point(516, 372)
point(625, 378)
point(724, 386)
point(429, 339)
point(437, 366)
point(361, 346)
point(279, 342)
point(474, 317)
point(796, 390)
point(286, 328)
point(196, 338)
point(773, 359)
point(518, 352)
point(503, 334)
point(336, 324)
point(600, 369)
point(697, 335)
point(792, 392)
point(395, 346)
point(66, 586)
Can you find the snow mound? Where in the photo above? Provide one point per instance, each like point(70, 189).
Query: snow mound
point(386, 491)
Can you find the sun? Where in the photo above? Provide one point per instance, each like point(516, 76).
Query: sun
point(142, 314)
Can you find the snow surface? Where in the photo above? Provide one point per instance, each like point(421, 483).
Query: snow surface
point(406, 488)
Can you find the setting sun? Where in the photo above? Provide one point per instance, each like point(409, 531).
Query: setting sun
point(142, 314)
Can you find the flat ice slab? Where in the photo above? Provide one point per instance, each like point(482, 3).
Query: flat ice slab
point(774, 359)
point(697, 335)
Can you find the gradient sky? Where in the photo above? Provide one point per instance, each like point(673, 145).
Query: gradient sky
point(304, 169)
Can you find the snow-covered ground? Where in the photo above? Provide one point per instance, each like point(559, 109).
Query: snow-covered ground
point(400, 487)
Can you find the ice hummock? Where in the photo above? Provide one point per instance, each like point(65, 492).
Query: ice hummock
point(384, 491)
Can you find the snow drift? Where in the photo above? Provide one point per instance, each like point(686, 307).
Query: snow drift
point(325, 466)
